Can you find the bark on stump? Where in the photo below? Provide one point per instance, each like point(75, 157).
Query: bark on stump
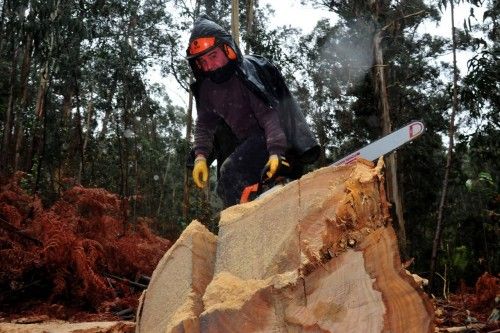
point(318, 255)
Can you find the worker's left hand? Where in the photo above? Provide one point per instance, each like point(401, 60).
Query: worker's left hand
point(274, 163)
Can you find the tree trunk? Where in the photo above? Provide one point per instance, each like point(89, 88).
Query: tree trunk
point(163, 185)
point(109, 109)
point(250, 18)
point(187, 174)
point(79, 130)
point(235, 21)
point(392, 177)
point(86, 136)
point(5, 10)
point(19, 127)
point(39, 130)
point(121, 160)
point(186, 205)
point(37, 143)
point(67, 105)
point(318, 255)
point(42, 91)
point(6, 151)
point(451, 133)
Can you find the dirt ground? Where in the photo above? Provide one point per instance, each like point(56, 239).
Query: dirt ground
point(65, 327)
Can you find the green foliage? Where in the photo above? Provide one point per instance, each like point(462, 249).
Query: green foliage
point(472, 216)
point(460, 259)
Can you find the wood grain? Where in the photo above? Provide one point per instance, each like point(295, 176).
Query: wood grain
point(318, 255)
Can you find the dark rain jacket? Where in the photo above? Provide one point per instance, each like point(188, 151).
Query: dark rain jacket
point(265, 81)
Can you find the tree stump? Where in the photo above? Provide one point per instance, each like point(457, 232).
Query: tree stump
point(173, 300)
point(318, 255)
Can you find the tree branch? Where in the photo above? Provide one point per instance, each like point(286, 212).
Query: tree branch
point(9, 227)
point(402, 18)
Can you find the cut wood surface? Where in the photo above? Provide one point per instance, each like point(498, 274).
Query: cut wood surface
point(318, 255)
point(172, 302)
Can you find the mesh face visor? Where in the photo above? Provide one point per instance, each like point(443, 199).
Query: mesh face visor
point(200, 46)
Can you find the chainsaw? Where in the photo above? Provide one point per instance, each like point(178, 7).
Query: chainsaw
point(371, 152)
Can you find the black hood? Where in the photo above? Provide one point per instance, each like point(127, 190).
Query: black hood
point(204, 26)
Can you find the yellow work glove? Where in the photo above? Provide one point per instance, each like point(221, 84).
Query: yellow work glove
point(200, 171)
point(274, 163)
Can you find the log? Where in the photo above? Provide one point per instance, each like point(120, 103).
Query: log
point(173, 300)
point(318, 255)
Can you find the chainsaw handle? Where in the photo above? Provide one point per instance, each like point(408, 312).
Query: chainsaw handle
point(249, 191)
point(253, 191)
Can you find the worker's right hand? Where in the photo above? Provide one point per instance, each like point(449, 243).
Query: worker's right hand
point(200, 171)
point(274, 165)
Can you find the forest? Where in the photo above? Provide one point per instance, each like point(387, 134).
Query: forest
point(87, 97)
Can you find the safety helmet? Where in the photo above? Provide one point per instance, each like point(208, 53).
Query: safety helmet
point(202, 45)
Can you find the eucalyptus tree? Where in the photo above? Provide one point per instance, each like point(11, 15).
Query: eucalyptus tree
point(139, 132)
point(365, 53)
point(342, 56)
point(82, 110)
point(449, 155)
point(417, 88)
point(481, 89)
point(15, 56)
point(469, 243)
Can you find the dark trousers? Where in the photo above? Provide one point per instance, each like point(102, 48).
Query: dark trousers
point(242, 168)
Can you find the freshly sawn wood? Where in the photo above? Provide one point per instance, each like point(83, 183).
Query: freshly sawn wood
point(318, 255)
point(172, 302)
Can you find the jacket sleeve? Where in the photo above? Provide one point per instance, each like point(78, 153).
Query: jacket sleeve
point(268, 118)
point(206, 123)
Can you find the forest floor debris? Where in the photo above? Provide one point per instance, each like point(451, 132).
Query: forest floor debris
point(471, 309)
point(81, 259)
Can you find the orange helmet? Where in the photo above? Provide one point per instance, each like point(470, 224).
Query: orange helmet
point(202, 45)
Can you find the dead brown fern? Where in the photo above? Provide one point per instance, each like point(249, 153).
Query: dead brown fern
point(83, 239)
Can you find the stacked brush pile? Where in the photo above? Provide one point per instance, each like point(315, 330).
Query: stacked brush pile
point(80, 259)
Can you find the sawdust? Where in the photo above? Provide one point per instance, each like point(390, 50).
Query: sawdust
point(230, 292)
point(361, 210)
point(186, 314)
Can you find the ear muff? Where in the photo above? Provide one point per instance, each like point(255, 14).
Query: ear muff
point(230, 52)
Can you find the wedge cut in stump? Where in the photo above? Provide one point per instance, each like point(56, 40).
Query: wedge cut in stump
point(318, 255)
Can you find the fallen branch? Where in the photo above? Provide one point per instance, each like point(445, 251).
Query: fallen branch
point(9, 227)
point(12, 292)
point(126, 314)
point(458, 329)
point(121, 279)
